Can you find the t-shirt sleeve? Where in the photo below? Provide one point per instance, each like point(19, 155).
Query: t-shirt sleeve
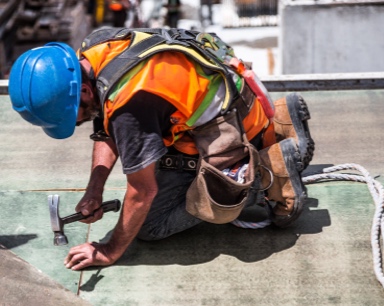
point(137, 129)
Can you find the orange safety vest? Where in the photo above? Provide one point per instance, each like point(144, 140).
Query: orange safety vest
point(176, 78)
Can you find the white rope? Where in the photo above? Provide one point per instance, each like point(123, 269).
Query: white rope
point(252, 225)
point(377, 191)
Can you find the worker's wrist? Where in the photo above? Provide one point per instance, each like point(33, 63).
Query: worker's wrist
point(98, 178)
point(113, 251)
point(95, 188)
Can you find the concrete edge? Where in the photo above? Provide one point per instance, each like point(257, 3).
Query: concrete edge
point(23, 284)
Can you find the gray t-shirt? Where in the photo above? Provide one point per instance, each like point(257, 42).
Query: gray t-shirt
point(138, 129)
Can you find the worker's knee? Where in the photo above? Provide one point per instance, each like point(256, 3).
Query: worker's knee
point(148, 233)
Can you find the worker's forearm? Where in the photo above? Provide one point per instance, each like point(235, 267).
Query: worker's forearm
point(128, 226)
point(141, 190)
point(103, 159)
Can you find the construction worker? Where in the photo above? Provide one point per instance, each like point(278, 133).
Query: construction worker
point(149, 94)
point(119, 9)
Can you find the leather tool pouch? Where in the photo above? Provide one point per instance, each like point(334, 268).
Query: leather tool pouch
point(213, 196)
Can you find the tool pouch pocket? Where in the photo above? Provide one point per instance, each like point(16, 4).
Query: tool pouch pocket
point(213, 196)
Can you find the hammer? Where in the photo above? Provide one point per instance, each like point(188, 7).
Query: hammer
point(57, 223)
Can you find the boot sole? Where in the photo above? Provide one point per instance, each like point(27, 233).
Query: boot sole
point(293, 164)
point(299, 113)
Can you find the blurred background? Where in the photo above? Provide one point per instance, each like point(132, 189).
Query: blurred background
point(277, 36)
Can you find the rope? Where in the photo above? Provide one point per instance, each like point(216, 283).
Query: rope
point(377, 192)
point(252, 225)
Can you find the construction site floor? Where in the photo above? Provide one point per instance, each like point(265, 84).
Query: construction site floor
point(324, 258)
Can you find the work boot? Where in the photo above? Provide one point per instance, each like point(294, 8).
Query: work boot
point(282, 180)
point(290, 121)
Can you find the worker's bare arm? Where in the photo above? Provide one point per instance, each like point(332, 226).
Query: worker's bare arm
point(141, 190)
point(103, 159)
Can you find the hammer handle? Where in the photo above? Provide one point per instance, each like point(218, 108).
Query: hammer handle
point(107, 206)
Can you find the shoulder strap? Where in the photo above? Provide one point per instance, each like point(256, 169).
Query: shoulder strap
point(147, 42)
point(109, 34)
point(122, 63)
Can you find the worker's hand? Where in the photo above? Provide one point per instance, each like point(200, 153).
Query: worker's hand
point(89, 254)
point(90, 205)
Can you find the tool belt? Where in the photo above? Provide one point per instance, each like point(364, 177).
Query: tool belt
point(213, 196)
point(178, 162)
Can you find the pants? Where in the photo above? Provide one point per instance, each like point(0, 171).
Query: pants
point(167, 215)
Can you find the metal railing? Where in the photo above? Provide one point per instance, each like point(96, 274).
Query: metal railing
point(306, 82)
point(324, 82)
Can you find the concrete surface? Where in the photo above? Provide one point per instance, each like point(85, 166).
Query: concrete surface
point(331, 36)
point(23, 284)
point(325, 258)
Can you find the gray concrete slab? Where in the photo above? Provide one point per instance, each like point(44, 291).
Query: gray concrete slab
point(31, 160)
point(22, 284)
point(324, 259)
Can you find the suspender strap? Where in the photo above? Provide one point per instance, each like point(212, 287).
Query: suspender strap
point(103, 35)
point(123, 63)
point(244, 101)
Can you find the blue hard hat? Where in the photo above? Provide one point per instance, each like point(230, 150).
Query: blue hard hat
point(44, 87)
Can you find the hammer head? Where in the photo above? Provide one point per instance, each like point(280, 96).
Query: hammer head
point(56, 222)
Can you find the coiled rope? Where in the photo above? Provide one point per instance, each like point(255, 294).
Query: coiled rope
point(377, 191)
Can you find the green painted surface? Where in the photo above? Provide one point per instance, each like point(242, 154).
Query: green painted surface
point(26, 231)
point(31, 160)
point(324, 259)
